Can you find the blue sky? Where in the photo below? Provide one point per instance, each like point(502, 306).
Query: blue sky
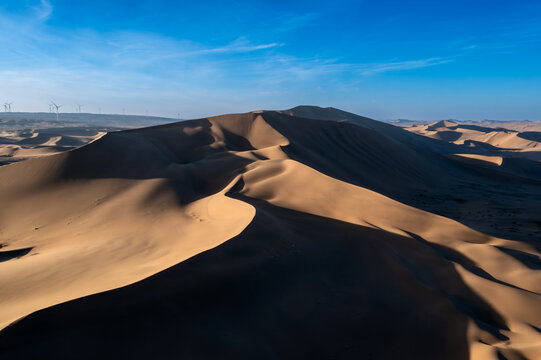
point(385, 59)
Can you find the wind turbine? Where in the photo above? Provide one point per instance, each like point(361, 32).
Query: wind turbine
point(9, 106)
point(56, 107)
point(79, 106)
point(6, 106)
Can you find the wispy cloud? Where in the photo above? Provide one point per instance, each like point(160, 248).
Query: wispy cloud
point(44, 10)
point(292, 21)
point(402, 65)
point(502, 38)
point(38, 62)
point(240, 45)
point(525, 32)
point(282, 68)
point(469, 47)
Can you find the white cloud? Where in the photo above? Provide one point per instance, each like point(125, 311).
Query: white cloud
point(44, 10)
point(290, 22)
point(240, 45)
point(402, 65)
point(141, 70)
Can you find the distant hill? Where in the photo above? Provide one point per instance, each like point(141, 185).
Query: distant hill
point(405, 122)
point(29, 120)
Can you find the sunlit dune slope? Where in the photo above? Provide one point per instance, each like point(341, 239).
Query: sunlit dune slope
point(305, 233)
point(512, 143)
point(17, 145)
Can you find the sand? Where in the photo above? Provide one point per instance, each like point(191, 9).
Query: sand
point(18, 144)
point(508, 142)
point(309, 232)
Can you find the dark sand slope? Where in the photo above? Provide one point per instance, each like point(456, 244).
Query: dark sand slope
point(268, 235)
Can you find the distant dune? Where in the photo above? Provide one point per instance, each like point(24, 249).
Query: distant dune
point(521, 126)
point(28, 135)
point(304, 233)
point(17, 145)
point(517, 125)
point(513, 151)
point(498, 137)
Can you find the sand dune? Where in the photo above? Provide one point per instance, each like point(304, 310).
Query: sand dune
point(510, 143)
point(520, 126)
point(304, 233)
point(478, 159)
point(17, 145)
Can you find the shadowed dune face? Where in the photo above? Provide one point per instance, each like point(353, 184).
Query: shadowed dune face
point(269, 234)
point(312, 290)
point(531, 135)
point(13, 254)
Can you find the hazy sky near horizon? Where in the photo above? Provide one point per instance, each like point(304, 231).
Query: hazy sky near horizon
point(463, 59)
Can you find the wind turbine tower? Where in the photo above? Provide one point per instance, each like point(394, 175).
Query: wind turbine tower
point(56, 107)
